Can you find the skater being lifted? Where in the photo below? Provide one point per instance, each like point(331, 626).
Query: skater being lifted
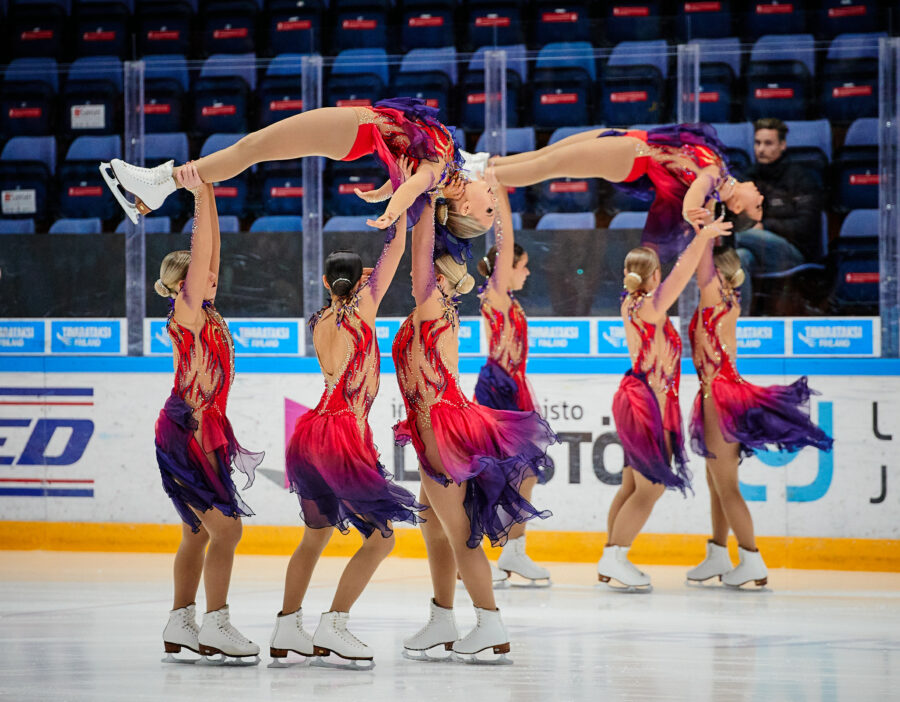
point(195, 445)
point(392, 128)
point(332, 462)
point(645, 407)
point(472, 459)
point(502, 383)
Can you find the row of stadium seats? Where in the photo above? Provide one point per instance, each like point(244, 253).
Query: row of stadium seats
point(127, 28)
point(33, 185)
point(562, 87)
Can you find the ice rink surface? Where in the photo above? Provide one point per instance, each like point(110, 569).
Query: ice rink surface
point(87, 627)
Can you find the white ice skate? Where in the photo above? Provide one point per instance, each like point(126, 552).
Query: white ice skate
point(489, 633)
point(332, 636)
point(149, 186)
point(439, 631)
point(750, 569)
point(614, 565)
point(181, 632)
point(475, 164)
point(218, 637)
point(289, 635)
point(513, 559)
point(716, 564)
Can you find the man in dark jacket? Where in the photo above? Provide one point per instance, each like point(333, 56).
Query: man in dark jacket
point(791, 230)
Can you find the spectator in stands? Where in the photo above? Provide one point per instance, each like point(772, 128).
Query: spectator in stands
point(790, 231)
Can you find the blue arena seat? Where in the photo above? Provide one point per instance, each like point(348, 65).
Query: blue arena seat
point(472, 92)
point(165, 87)
point(16, 226)
point(347, 224)
point(294, 26)
point(633, 87)
point(628, 220)
point(854, 258)
point(163, 26)
point(427, 24)
point(518, 140)
point(738, 138)
point(281, 90)
point(704, 20)
point(779, 77)
point(809, 142)
point(343, 177)
point(358, 77)
point(850, 77)
point(567, 220)
point(27, 176)
point(283, 223)
point(429, 74)
point(38, 27)
point(92, 96)
point(562, 21)
point(361, 25)
point(856, 174)
point(720, 70)
point(840, 16)
point(232, 196)
point(495, 23)
point(101, 28)
point(229, 26)
point(634, 20)
point(227, 224)
point(567, 194)
point(860, 223)
point(222, 91)
point(77, 225)
point(764, 17)
point(152, 225)
point(28, 97)
point(82, 192)
point(281, 186)
point(562, 86)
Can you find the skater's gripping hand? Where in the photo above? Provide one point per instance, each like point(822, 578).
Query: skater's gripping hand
point(717, 228)
point(383, 222)
point(406, 167)
point(455, 189)
point(190, 178)
point(698, 217)
point(364, 278)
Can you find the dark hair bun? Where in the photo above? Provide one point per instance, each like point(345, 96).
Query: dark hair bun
point(343, 269)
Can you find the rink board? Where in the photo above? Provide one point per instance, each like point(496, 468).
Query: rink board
point(77, 466)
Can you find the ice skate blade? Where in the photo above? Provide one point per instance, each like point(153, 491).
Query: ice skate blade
point(760, 585)
point(623, 587)
point(529, 584)
point(424, 657)
point(358, 664)
point(131, 210)
point(279, 658)
point(213, 656)
point(703, 584)
point(472, 658)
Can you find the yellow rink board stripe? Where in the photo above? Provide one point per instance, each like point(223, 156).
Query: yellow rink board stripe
point(565, 546)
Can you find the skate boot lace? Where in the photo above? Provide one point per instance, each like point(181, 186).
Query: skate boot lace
point(234, 634)
point(150, 176)
point(347, 635)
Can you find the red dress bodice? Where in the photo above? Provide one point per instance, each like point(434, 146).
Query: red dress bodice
point(658, 355)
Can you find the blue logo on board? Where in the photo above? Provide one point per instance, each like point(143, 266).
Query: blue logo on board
point(470, 336)
point(22, 336)
point(265, 338)
point(159, 337)
point(559, 337)
point(760, 337)
point(86, 336)
point(385, 331)
point(834, 337)
point(611, 337)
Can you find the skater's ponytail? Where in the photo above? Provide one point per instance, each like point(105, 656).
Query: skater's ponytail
point(728, 263)
point(640, 264)
point(456, 274)
point(343, 269)
point(172, 271)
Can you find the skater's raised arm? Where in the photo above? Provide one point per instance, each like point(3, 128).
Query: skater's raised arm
point(698, 194)
point(501, 273)
point(379, 195)
point(423, 282)
point(213, 215)
point(424, 179)
point(678, 278)
point(706, 269)
point(197, 281)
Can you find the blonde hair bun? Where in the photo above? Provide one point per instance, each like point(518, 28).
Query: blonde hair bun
point(161, 289)
point(465, 284)
point(738, 278)
point(633, 281)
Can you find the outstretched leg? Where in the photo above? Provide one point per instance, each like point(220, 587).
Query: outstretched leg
point(610, 158)
point(300, 567)
point(328, 131)
point(441, 560)
point(635, 510)
point(224, 536)
point(528, 155)
point(360, 569)
point(188, 566)
point(717, 514)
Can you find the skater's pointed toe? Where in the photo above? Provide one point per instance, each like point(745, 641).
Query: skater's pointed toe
point(716, 564)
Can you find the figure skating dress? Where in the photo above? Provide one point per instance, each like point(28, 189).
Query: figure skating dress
point(193, 423)
point(757, 418)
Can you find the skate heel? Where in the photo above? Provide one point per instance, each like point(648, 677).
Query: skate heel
point(761, 582)
point(141, 207)
point(278, 652)
point(172, 647)
point(319, 651)
point(502, 648)
point(449, 645)
point(603, 578)
point(209, 651)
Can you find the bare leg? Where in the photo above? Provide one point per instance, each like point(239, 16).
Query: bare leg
point(360, 569)
point(224, 536)
point(610, 158)
point(300, 567)
point(635, 511)
point(724, 469)
point(188, 565)
point(441, 559)
point(328, 131)
point(717, 514)
point(527, 155)
point(626, 489)
point(525, 491)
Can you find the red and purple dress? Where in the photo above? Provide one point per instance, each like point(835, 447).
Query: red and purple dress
point(665, 166)
point(193, 424)
point(405, 127)
point(757, 418)
point(647, 431)
point(492, 451)
point(502, 383)
point(332, 461)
